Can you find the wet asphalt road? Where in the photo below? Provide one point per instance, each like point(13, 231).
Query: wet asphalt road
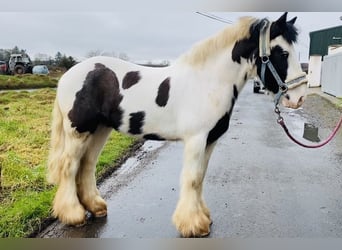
point(258, 184)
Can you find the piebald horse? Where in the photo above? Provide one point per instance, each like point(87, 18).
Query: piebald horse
point(192, 100)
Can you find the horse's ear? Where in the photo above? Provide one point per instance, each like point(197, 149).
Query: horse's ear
point(282, 20)
point(278, 26)
point(292, 21)
point(284, 28)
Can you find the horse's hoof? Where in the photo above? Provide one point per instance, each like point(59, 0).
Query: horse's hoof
point(205, 234)
point(80, 224)
point(100, 214)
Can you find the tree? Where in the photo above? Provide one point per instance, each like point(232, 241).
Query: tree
point(123, 56)
point(58, 58)
point(97, 52)
point(16, 50)
point(6, 53)
point(93, 53)
point(42, 58)
point(67, 62)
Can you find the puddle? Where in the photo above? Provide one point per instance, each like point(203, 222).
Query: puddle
point(131, 167)
point(311, 133)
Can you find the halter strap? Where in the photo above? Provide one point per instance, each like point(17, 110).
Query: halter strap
point(264, 53)
point(264, 38)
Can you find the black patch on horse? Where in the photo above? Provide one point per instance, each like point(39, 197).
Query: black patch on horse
point(136, 122)
point(222, 124)
point(244, 49)
point(163, 93)
point(235, 91)
point(247, 48)
point(154, 137)
point(97, 102)
point(130, 79)
point(280, 63)
point(220, 128)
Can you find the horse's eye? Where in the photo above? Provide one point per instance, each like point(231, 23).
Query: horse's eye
point(285, 54)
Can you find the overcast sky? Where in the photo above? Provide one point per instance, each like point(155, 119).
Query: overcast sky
point(143, 36)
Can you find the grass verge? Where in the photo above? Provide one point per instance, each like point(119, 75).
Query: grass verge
point(25, 197)
point(27, 81)
point(339, 103)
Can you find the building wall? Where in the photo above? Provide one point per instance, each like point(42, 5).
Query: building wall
point(314, 71)
point(320, 40)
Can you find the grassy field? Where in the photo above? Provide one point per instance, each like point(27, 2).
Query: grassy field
point(27, 81)
point(25, 197)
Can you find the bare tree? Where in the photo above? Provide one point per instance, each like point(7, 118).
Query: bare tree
point(123, 56)
point(93, 53)
point(97, 52)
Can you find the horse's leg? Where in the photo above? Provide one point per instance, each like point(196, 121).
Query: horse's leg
point(192, 217)
point(66, 204)
point(86, 182)
point(208, 150)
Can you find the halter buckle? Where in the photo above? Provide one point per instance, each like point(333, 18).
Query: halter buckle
point(265, 59)
point(283, 88)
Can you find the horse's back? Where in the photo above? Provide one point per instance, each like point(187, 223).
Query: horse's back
point(73, 80)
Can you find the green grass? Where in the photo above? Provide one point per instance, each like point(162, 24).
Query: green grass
point(339, 103)
point(27, 81)
point(25, 196)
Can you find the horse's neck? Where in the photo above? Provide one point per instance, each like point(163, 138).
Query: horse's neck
point(214, 55)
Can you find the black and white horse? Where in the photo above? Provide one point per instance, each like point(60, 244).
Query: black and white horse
point(191, 100)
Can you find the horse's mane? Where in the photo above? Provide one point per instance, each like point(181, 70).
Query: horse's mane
point(199, 53)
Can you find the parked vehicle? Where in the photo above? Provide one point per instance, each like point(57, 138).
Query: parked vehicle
point(3, 67)
point(40, 70)
point(19, 64)
point(257, 85)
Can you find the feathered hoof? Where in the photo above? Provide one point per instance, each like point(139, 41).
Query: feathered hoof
point(101, 213)
point(74, 215)
point(97, 206)
point(192, 225)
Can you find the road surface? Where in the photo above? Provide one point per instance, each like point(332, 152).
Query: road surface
point(258, 184)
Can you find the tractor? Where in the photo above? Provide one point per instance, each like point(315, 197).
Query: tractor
point(19, 64)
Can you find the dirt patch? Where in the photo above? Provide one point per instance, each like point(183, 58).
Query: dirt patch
point(320, 112)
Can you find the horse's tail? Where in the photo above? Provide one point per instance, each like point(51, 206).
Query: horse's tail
point(56, 145)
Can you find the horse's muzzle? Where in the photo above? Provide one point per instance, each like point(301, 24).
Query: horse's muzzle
point(295, 95)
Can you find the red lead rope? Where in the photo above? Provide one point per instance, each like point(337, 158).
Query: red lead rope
point(331, 136)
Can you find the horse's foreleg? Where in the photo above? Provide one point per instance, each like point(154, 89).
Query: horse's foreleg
point(208, 150)
point(86, 182)
point(192, 217)
point(66, 204)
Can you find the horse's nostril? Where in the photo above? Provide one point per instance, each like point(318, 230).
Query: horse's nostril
point(301, 99)
point(287, 96)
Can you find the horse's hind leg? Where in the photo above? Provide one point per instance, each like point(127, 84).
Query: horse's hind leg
point(86, 183)
point(192, 217)
point(66, 204)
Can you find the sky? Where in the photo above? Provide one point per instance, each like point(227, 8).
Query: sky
point(148, 35)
